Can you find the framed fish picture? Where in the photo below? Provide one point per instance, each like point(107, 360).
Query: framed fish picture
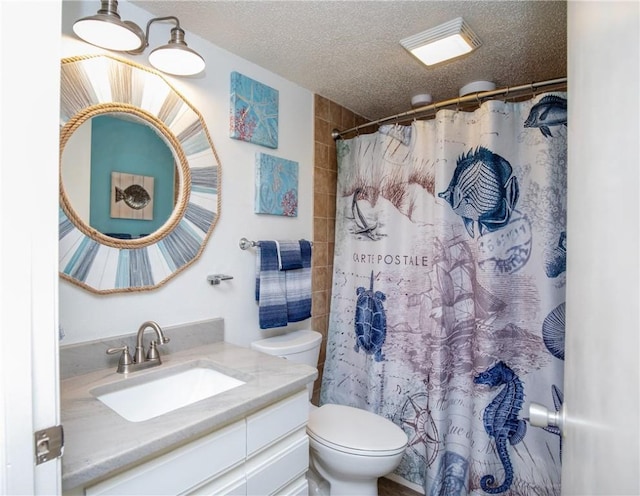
point(276, 186)
point(131, 196)
point(254, 111)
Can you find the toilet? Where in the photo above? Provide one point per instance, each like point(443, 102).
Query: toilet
point(349, 448)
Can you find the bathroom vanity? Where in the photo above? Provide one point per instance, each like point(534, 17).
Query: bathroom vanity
point(247, 440)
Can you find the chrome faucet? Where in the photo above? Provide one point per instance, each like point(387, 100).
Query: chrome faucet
point(139, 360)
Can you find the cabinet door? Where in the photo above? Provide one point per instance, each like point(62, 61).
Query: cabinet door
point(299, 487)
point(276, 467)
point(277, 421)
point(181, 469)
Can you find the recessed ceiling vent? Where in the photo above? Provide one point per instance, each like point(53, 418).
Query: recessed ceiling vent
point(444, 42)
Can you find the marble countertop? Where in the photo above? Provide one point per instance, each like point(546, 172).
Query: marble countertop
point(99, 443)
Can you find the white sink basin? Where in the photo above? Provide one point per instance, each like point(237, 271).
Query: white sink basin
point(163, 391)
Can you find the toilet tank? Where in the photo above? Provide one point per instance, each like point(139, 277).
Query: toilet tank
point(298, 346)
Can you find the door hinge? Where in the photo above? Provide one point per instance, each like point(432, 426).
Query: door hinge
point(49, 443)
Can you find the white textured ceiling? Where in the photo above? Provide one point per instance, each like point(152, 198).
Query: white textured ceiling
point(349, 51)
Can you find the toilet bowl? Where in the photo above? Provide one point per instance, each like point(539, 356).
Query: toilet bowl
point(349, 448)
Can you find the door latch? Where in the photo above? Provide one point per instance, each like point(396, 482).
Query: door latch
point(49, 443)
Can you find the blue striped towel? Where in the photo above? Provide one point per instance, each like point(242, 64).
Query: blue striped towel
point(270, 287)
point(289, 256)
point(298, 286)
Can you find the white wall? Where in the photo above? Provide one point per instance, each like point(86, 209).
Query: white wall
point(76, 170)
point(188, 297)
point(601, 444)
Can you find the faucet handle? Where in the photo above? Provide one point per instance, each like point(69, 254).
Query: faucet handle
point(125, 358)
point(153, 354)
point(124, 349)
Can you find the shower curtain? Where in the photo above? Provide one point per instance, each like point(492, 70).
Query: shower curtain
point(447, 311)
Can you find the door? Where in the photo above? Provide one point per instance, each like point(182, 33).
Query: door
point(29, 398)
point(601, 392)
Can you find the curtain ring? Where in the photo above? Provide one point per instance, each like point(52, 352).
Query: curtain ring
point(458, 105)
point(533, 91)
point(506, 95)
point(478, 100)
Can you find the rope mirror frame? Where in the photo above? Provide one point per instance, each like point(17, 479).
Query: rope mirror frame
point(101, 84)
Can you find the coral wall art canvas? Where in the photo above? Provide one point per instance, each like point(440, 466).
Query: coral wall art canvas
point(276, 186)
point(254, 111)
point(131, 196)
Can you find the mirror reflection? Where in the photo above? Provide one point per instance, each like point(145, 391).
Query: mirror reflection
point(120, 175)
point(131, 187)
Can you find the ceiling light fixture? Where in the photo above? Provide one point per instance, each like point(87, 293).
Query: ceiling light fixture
point(447, 41)
point(107, 30)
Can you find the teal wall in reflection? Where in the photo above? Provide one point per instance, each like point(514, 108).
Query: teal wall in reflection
point(133, 148)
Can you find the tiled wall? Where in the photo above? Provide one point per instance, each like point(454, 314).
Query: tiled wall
point(328, 116)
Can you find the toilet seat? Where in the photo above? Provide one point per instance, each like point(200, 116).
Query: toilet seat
point(355, 431)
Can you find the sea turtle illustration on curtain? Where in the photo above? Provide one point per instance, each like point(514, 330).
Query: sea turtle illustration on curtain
point(482, 190)
point(370, 321)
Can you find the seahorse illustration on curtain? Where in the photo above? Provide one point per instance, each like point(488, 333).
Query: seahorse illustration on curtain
point(501, 419)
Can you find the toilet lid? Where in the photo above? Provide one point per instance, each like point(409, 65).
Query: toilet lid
point(355, 430)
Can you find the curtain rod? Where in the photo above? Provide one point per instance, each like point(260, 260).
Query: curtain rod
point(509, 91)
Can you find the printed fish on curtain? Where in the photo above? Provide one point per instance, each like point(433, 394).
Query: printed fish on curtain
point(447, 312)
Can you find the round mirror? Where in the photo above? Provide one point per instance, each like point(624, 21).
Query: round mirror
point(138, 177)
point(118, 175)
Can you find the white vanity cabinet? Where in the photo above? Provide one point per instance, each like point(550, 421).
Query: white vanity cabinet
point(266, 453)
point(278, 447)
